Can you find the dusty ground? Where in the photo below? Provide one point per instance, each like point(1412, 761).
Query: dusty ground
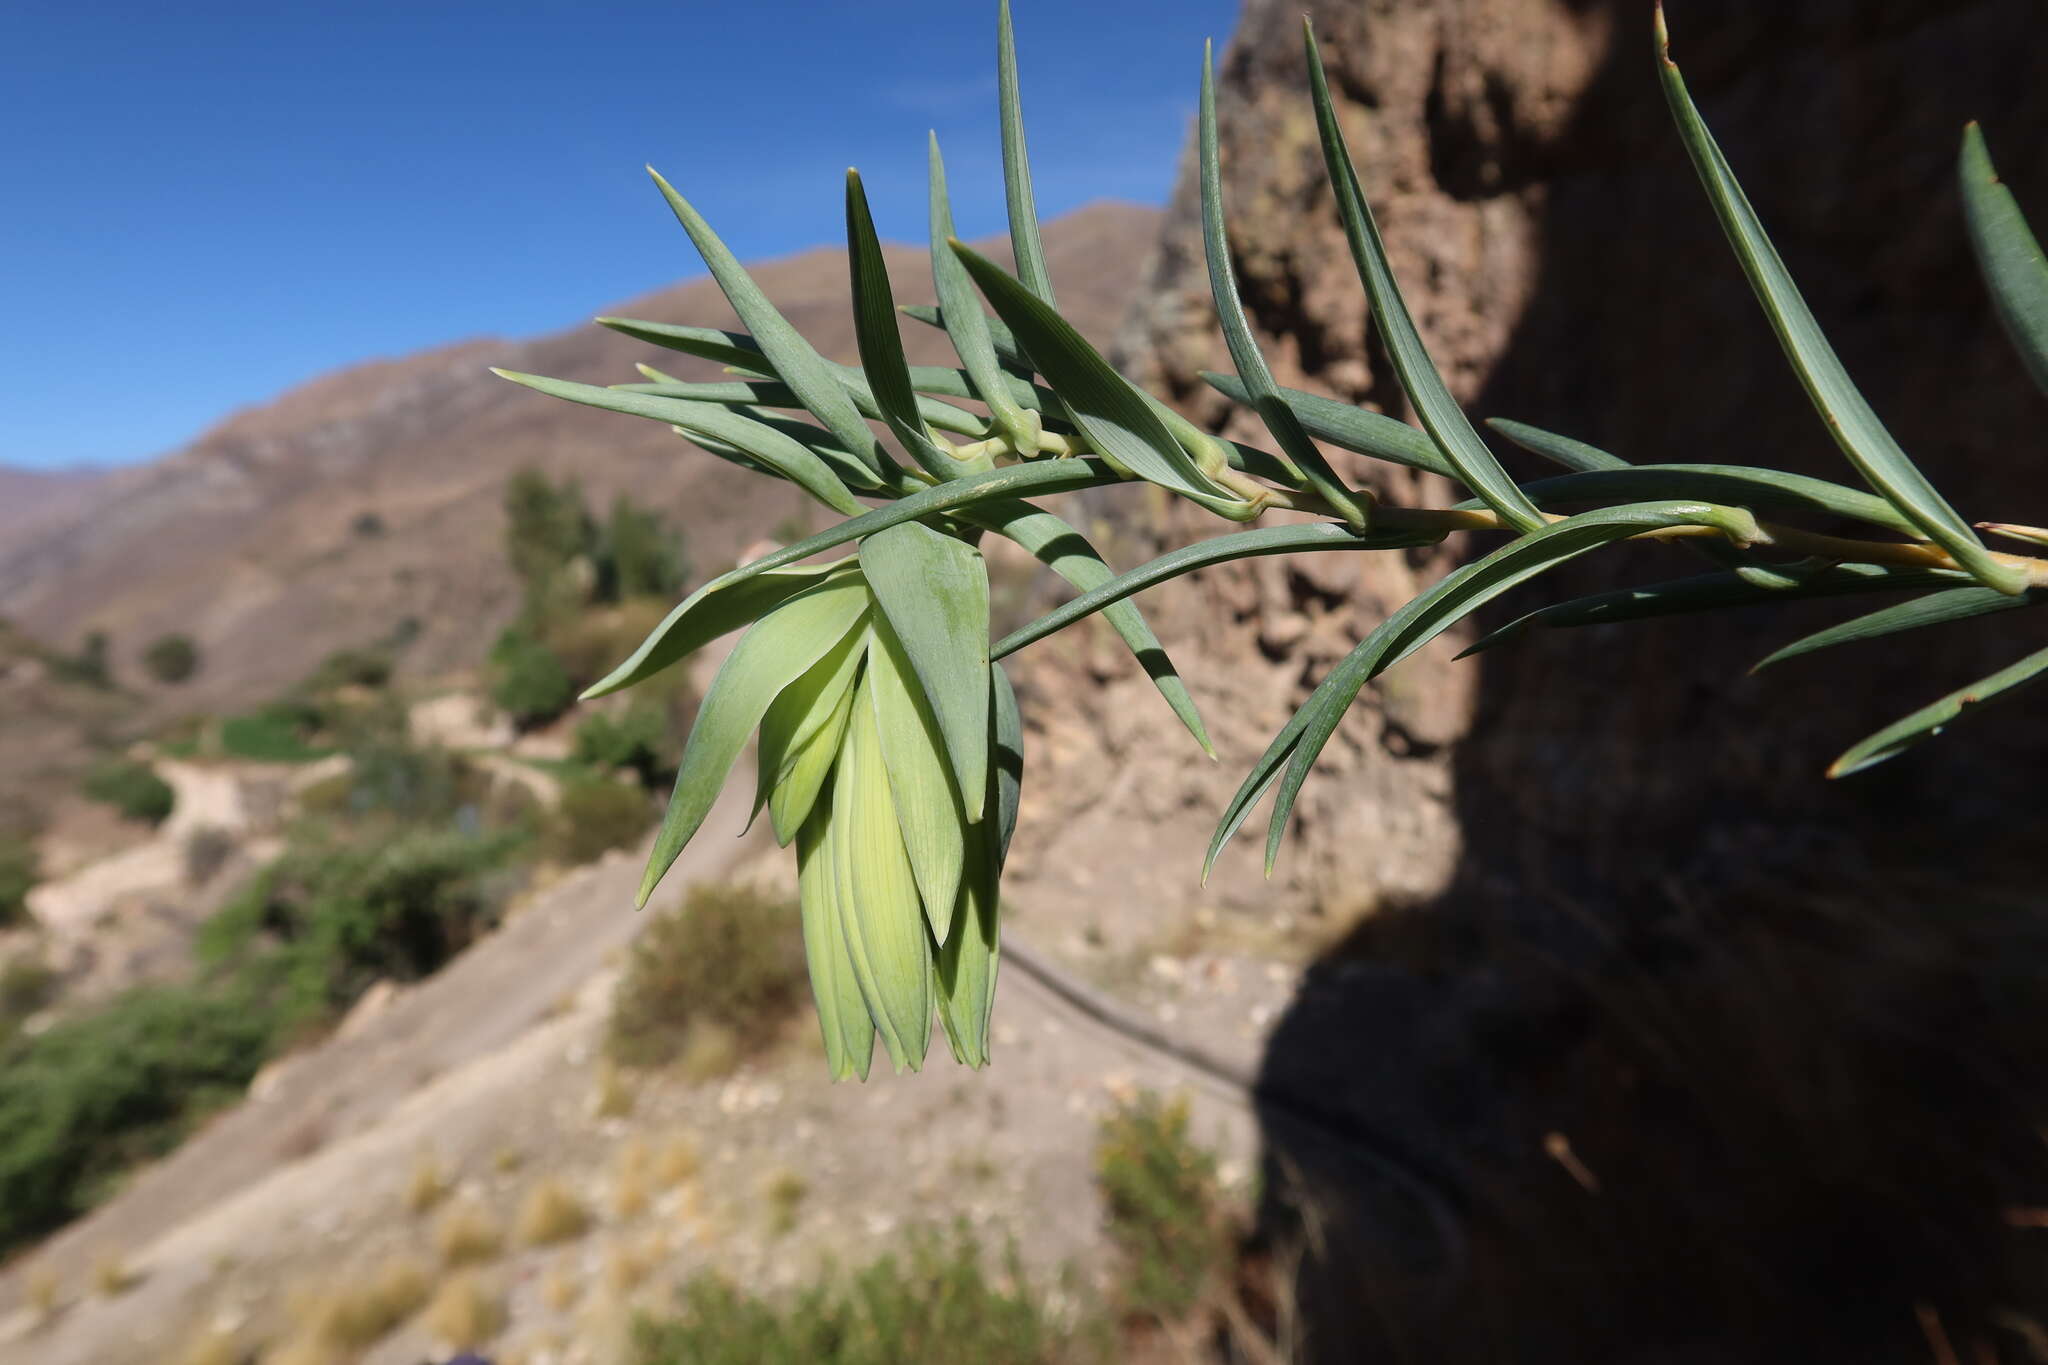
point(488, 1072)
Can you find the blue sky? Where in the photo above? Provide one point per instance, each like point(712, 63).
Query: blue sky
point(210, 202)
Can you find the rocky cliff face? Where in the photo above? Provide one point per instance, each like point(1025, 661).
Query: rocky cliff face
point(1566, 270)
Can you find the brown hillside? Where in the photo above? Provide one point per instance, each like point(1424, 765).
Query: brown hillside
point(252, 540)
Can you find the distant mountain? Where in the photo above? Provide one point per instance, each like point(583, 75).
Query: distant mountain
point(32, 497)
point(322, 519)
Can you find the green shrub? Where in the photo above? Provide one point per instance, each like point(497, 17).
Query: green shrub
point(1162, 1204)
point(547, 528)
point(171, 658)
point(528, 681)
point(280, 732)
point(86, 1099)
point(324, 921)
point(27, 984)
point(89, 665)
point(132, 788)
point(18, 875)
point(350, 668)
point(636, 739)
point(934, 1301)
point(596, 816)
point(637, 555)
point(728, 957)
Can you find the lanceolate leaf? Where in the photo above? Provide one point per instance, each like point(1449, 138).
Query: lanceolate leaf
point(1237, 332)
point(780, 648)
point(1848, 416)
point(718, 608)
point(877, 896)
point(1932, 719)
point(842, 1013)
point(1368, 433)
point(772, 449)
point(2033, 535)
point(800, 734)
point(1573, 455)
point(928, 809)
point(794, 359)
point(1738, 484)
point(881, 346)
point(1938, 608)
point(1456, 596)
point(932, 590)
point(1116, 418)
point(1441, 416)
point(966, 325)
point(774, 393)
point(1024, 240)
point(1018, 481)
point(1009, 761)
point(1748, 586)
point(1264, 540)
point(964, 969)
point(2008, 255)
point(1067, 553)
point(710, 343)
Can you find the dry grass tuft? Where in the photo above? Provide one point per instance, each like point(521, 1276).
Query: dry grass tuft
point(427, 1187)
point(710, 1050)
point(467, 1235)
point(551, 1213)
point(358, 1312)
point(677, 1161)
point(785, 1192)
point(613, 1098)
point(465, 1313)
point(41, 1292)
point(630, 1263)
point(112, 1276)
point(213, 1345)
point(559, 1288)
point(632, 1180)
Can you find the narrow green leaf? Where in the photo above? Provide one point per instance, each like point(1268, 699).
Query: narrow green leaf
point(1747, 586)
point(964, 968)
point(708, 343)
point(820, 443)
point(1743, 485)
point(1938, 608)
point(1008, 774)
point(800, 466)
point(800, 735)
point(1574, 455)
point(775, 393)
point(1237, 330)
point(932, 591)
point(794, 358)
point(1368, 433)
point(2008, 256)
point(1018, 481)
point(948, 382)
point(881, 346)
point(1115, 417)
point(1842, 407)
point(1932, 719)
point(879, 913)
point(1441, 416)
point(927, 805)
point(1008, 351)
point(1024, 240)
point(780, 648)
point(1067, 553)
point(1459, 594)
point(842, 1013)
point(718, 608)
point(1263, 540)
point(967, 326)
